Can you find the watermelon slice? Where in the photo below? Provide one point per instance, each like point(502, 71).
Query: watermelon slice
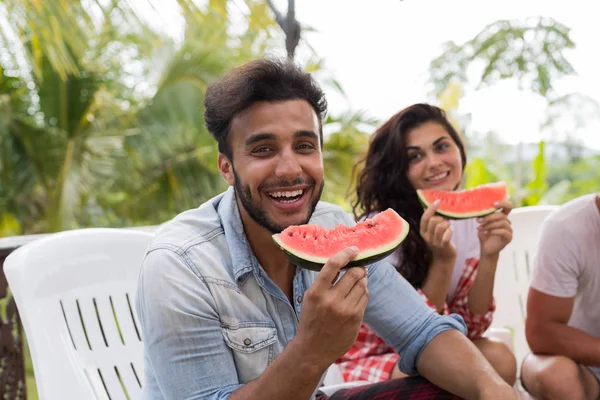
point(463, 204)
point(310, 246)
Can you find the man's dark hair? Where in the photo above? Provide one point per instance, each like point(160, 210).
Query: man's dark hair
point(258, 80)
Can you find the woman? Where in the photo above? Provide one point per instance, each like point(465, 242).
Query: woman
point(452, 263)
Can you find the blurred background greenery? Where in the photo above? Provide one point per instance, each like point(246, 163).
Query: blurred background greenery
point(101, 112)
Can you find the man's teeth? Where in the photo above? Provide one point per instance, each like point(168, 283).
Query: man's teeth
point(293, 193)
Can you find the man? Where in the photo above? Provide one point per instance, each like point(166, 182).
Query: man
point(225, 315)
point(563, 305)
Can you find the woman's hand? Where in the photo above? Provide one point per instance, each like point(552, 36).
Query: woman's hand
point(437, 232)
point(495, 231)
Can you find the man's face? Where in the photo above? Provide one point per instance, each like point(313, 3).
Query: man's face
point(277, 166)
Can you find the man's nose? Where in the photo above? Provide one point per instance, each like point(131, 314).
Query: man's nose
point(288, 165)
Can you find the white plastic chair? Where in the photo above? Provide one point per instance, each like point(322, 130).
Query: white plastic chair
point(75, 292)
point(514, 272)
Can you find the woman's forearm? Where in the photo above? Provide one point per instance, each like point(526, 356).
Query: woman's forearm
point(437, 282)
point(481, 294)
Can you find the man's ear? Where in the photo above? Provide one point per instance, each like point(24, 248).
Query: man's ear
point(226, 169)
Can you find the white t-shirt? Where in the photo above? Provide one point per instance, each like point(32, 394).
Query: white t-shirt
point(466, 242)
point(568, 261)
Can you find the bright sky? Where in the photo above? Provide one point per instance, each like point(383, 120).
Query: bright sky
point(380, 51)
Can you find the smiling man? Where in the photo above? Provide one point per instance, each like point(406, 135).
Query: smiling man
point(225, 315)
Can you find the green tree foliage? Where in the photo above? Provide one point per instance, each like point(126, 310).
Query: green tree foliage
point(531, 51)
point(99, 130)
point(101, 112)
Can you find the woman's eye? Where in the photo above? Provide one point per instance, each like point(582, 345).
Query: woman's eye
point(443, 146)
point(414, 157)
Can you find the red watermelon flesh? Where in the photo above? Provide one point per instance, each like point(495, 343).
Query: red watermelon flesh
point(310, 246)
point(470, 203)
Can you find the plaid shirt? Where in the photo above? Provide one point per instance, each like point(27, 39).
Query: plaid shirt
point(371, 359)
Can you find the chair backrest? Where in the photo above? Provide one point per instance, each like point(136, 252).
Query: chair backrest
point(514, 272)
point(75, 292)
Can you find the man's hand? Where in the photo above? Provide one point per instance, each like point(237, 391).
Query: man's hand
point(332, 314)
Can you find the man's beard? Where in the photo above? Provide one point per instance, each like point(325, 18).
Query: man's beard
point(259, 215)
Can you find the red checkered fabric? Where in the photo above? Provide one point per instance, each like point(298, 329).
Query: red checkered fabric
point(413, 388)
point(371, 359)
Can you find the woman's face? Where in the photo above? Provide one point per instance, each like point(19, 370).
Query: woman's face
point(434, 160)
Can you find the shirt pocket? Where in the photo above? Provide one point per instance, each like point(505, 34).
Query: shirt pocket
point(252, 348)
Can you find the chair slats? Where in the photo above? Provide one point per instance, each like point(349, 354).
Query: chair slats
point(74, 291)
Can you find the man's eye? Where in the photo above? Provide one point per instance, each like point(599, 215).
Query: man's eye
point(306, 146)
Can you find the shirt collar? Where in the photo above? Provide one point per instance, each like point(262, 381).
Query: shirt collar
point(242, 258)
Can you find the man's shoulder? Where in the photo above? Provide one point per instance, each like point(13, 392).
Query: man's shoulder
point(329, 215)
point(189, 228)
point(580, 207)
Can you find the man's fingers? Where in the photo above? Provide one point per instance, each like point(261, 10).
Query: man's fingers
point(332, 267)
point(362, 303)
point(357, 291)
point(347, 282)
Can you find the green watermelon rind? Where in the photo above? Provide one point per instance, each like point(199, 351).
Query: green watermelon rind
point(362, 259)
point(454, 215)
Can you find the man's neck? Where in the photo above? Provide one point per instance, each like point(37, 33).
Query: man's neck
point(269, 255)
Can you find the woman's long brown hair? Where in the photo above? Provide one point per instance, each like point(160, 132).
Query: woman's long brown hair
point(383, 183)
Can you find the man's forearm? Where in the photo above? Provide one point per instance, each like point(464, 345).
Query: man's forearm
point(556, 338)
point(463, 371)
point(291, 376)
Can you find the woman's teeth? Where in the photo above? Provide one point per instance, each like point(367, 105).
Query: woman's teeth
point(438, 176)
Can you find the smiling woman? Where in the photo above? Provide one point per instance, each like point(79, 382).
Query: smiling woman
point(451, 263)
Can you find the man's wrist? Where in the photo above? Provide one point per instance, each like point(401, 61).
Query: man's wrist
point(307, 360)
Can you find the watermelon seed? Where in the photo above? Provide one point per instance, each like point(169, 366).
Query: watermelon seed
point(291, 234)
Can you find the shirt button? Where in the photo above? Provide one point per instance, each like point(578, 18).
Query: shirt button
point(247, 342)
point(299, 299)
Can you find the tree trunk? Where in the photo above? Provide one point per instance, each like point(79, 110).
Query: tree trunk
point(290, 26)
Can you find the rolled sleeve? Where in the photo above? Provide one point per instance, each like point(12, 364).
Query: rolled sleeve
point(433, 326)
point(398, 314)
point(184, 351)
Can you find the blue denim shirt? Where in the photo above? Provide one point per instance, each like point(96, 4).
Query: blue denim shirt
point(212, 320)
